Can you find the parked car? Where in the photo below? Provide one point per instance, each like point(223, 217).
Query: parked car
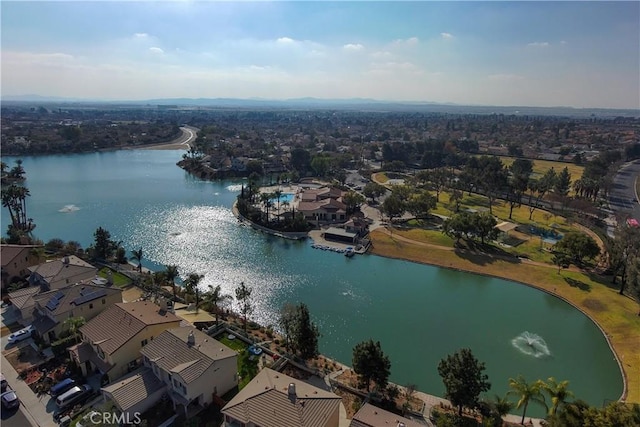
point(9, 399)
point(3, 383)
point(73, 396)
point(62, 387)
point(22, 334)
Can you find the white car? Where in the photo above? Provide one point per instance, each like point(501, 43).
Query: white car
point(22, 334)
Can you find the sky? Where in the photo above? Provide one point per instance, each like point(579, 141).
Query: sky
point(576, 54)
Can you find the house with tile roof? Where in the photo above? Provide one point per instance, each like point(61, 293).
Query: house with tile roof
point(85, 300)
point(193, 366)
point(273, 399)
point(112, 340)
point(22, 304)
point(15, 261)
point(372, 416)
point(61, 273)
point(135, 392)
point(322, 205)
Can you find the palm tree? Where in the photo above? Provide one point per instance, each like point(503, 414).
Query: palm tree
point(558, 393)
point(501, 406)
point(74, 324)
point(527, 392)
point(171, 273)
point(214, 297)
point(277, 194)
point(191, 286)
point(137, 255)
point(264, 198)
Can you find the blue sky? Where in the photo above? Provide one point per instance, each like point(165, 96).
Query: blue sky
point(580, 54)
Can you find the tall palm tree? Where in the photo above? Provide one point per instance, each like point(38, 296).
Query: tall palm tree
point(74, 324)
point(191, 286)
point(558, 393)
point(527, 392)
point(137, 255)
point(171, 273)
point(278, 194)
point(215, 297)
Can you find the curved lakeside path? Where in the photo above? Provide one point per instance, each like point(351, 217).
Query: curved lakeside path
point(615, 315)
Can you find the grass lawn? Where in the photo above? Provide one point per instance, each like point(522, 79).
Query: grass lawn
point(237, 345)
point(540, 167)
point(380, 177)
point(617, 315)
point(119, 280)
point(247, 366)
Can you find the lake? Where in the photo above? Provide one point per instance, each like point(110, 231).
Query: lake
point(419, 313)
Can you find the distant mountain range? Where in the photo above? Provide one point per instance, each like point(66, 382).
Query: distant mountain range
point(355, 104)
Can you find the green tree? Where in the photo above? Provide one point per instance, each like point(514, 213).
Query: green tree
point(243, 296)
point(73, 324)
point(214, 297)
point(520, 171)
point(373, 190)
point(300, 159)
point(558, 392)
point(538, 189)
point(288, 322)
point(563, 182)
point(137, 256)
point(103, 246)
point(371, 364)
point(420, 204)
point(353, 201)
point(526, 393)
point(170, 274)
point(464, 379)
point(393, 207)
point(484, 226)
point(191, 286)
point(305, 333)
point(578, 246)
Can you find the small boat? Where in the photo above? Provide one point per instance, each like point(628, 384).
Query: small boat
point(349, 253)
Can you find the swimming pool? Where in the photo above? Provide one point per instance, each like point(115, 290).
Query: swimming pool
point(285, 197)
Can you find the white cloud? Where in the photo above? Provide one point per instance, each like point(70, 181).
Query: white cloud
point(538, 44)
point(563, 42)
point(353, 46)
point(156, 50)
point(285, 40)
point(410, 41)
point(141, 35)
point(446, 36)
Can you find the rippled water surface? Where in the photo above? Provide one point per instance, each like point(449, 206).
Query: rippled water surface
point(419, 313)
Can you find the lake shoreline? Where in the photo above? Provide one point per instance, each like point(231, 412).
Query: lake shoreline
point(428, 258)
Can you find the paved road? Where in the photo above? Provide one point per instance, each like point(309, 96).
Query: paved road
point(14, 418)
point(622, 197)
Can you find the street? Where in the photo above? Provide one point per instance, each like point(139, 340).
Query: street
point(622, 197)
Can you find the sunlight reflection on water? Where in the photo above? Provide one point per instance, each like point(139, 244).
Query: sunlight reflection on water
point(204, 240)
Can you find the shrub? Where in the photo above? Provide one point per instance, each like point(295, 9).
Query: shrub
point(59, 347)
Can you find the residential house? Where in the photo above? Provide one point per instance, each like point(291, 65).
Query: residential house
point(61, 273)
point(322, 205)
point(194, 366)
point(112, 340)
point(135, 393)
point(85, 300)
point(372, 416)
point(15, 260)
point(273, 399)
point(327, 210)
point(22, 304)
point(50, 275)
